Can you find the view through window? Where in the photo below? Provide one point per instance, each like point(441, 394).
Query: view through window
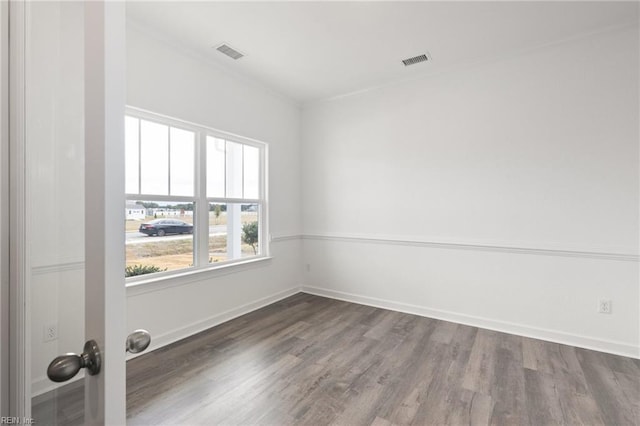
point(194, 196)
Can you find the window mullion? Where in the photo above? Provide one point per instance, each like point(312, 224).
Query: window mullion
point(264, 235)
point(169, 160)
point(202, 206)
point(242, 173)
point(139, 156)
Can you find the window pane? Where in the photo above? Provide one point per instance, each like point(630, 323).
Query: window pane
point(182, 160)
point(215, 167)
point(250, 230)
point(154, 147)
point(158, 236)
point(234, 170)
point(217, 232)
point(131, 155)
point(251, 172)
point(233, 231)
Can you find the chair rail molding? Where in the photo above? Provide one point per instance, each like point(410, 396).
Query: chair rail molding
point(547, 249)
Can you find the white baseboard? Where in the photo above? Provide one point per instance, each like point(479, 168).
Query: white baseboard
point(41, 385)
point(196, 327)
point(616, 348)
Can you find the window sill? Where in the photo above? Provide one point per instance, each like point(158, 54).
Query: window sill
point(140, 285)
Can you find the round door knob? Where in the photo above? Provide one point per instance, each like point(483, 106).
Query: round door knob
point(138, 341)
point(64, 367)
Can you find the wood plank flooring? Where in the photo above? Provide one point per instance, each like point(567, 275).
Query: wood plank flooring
point(309, 360)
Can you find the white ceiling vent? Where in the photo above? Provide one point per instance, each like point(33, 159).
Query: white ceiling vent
point(229, 51)
point(416, 60)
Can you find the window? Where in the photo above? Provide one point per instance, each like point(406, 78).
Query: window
point(195, 197)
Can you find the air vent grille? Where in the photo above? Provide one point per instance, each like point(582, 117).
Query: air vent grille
point(229, 51)
point(415, 60)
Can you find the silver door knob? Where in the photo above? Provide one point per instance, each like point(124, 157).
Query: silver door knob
point(64, 367)
point(138, 341)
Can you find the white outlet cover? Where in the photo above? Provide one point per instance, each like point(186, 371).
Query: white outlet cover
point(604, 306)
point(50, 332)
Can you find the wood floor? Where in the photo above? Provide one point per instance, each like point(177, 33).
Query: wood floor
point(309, 360)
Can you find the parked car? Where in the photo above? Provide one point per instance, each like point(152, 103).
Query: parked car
point(162, 227)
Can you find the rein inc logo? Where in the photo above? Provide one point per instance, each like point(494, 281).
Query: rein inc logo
point(16, 421)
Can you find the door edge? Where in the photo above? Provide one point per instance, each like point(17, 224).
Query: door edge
point(4, 207)
point(18, 330)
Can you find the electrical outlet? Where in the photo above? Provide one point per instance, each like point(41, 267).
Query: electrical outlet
point(604, 306)
point(50, 332)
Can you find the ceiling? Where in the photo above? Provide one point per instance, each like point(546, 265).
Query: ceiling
point(309, 51)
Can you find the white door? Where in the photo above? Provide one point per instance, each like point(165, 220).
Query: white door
point(67, 104)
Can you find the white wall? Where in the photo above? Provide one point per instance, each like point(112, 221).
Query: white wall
point(481, 195)
point(168, 80)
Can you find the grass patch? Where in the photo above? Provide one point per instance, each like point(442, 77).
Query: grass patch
point(177, 254)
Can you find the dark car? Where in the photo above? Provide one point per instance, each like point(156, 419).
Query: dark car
point(162, 227)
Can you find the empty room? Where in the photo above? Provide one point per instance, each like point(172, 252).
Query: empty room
point(320, 213)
